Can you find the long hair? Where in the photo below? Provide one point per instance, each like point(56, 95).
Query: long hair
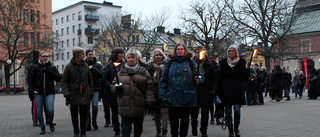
point(154, 54)
point(186, 55)
point(114, 53)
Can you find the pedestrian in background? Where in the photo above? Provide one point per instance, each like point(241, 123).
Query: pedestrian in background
point(286, 81)
point(276, 84)
point(134, 93)
point(41, 83)
point(251, 88)
point(110, 99)
point(160, 112)
point(205, 93)
point(177, 87)
point(313, 82)
point(261, 84)
point(302, 81)
point(216, 99)
point(33, 62)
point(231, 91)
point(77, 88)
point(96, 73)
point(296, 83)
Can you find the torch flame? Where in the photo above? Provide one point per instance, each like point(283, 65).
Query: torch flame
point(255, 51)
point(116, 64)
point(165, 46)
point(202, 54)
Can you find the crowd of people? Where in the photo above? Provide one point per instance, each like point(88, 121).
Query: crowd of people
point(176, 88)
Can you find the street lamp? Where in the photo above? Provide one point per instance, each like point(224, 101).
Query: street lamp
point(9, 61)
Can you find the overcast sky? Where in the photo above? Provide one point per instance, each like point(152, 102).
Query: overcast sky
point(143, 7)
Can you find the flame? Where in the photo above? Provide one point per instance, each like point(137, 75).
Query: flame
point(255, 51)
point(202, 54)
point(165, 46)
point(116, 64)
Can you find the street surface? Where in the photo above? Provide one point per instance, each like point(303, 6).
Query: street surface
point(295, 118)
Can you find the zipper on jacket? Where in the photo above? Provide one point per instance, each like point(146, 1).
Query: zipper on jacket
point(44, 81)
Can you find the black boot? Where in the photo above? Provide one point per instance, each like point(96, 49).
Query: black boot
point(236, 129)
point(164, 133)
point(94, 124)
point(88, 127)
point(51, 127)
point(43, 130)
point(158, 133)
point(230, 127)
point(117, 134)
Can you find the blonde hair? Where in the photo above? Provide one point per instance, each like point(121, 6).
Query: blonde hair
point(43, 52)
point(76, 51)
point(263, 68)
point(160, 51)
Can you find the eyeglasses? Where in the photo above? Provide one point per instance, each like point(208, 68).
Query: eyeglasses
point(44, 56)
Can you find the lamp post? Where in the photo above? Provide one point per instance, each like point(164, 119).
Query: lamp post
point(9, 61)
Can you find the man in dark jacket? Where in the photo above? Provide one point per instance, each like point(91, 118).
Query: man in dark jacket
point(96, 73)
point(276, 84)
point(33, 62)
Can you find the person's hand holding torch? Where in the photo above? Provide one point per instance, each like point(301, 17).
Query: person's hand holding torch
point(118, 84)
point(201, 56)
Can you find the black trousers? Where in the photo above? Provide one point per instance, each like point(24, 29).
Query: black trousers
point(114, 115)
point(82, 111)
point(204, 119)
point(177, 114)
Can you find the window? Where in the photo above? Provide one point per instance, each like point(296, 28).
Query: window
point(61, 20)
point(79, 26)
point(68, 55)
point(57, 55)
point(79, 15)
point(32, 16)
point(67, 42)
point(306, 45)
point(62, 66)
point(67, 30)
point(90, 40)
point(73, 41)
point(67, 18)
point(62, 43)
point(57, 33)
point(135, 38)
point(61, 32)
point(53, 56)
point(57, 65)
point(73, 29)
point(32, 38)
point(26, 37)
point(73, 14)
point(38, 17)
point(62, 56)
point(25, 15)
point(57, 21)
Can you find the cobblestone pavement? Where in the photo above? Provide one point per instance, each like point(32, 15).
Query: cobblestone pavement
point(295, 118)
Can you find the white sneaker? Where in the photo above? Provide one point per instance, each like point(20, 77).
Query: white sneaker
point(281, 101)
point(99, 103)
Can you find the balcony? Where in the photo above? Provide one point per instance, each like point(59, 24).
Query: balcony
point(91, 17)
point(91, 31)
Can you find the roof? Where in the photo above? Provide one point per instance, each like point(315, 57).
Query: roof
point(87, 2)
point(307, 22)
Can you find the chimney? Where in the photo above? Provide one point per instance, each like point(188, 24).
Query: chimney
point(160, 29)
point(176, 31)
point(107, 3)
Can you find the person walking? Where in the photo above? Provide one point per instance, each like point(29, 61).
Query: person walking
point(41, 83)
point(134, 88)
point(313, 82)
point(286, 80)
point(96, 73)
point(177, 88)
point(276, 84)
point(251, 88)
point(33, 62)
point(302, 81)
point(296, 83)
point(261, 84)
point(78, 90)
point(160, 112)
point(231, 91)
point(205, 94)
point(110, 99)
point(216, 99)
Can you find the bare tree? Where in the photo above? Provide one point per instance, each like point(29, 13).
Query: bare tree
point(267, 21)
point(17, 23)
point(210, 24)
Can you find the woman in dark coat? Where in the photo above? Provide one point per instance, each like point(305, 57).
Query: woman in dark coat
point(276, 84)
point(110, 99)
point(205, 94)
point(231, 88)
point(313, 82)
point(251, 88)
point(160, 112)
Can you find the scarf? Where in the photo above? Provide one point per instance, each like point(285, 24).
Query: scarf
point(132, 70)
point(158, 66)
point(80, 79)
point(233, 63)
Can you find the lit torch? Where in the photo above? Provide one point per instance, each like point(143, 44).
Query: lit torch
point(115, 64)
point(253, 54)
point(164, 47)
point(201, 55)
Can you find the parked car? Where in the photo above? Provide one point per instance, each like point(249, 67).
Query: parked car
point(19, 88)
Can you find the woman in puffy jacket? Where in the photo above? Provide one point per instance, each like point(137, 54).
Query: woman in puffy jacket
point(134, 88)
point(177, 88)
point(41, 84)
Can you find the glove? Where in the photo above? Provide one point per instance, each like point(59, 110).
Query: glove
point(68, 98)
point(119, 88)
point(212, 93)
point(31, 97)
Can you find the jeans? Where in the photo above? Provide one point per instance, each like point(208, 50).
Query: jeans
point(296, 91)
point(126, 126)
point(49, 102)
point(95, 102)
point(75, 111)
point(161, 115)
point(286, 93)
point(216, 101)
point(237, 113)
point(177, 114)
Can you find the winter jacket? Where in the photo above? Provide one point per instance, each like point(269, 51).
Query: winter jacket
point(296, 79)
point(96, 73)
point(276, 79)
point(108, 75)
point(251, 83)
point(158, 101)
point(132, 99)
point(72, 76)
point(177, 83)
point(29, 69)
point(205, 91)
point(42, 77)
point(286, 79)
point(232, 82)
